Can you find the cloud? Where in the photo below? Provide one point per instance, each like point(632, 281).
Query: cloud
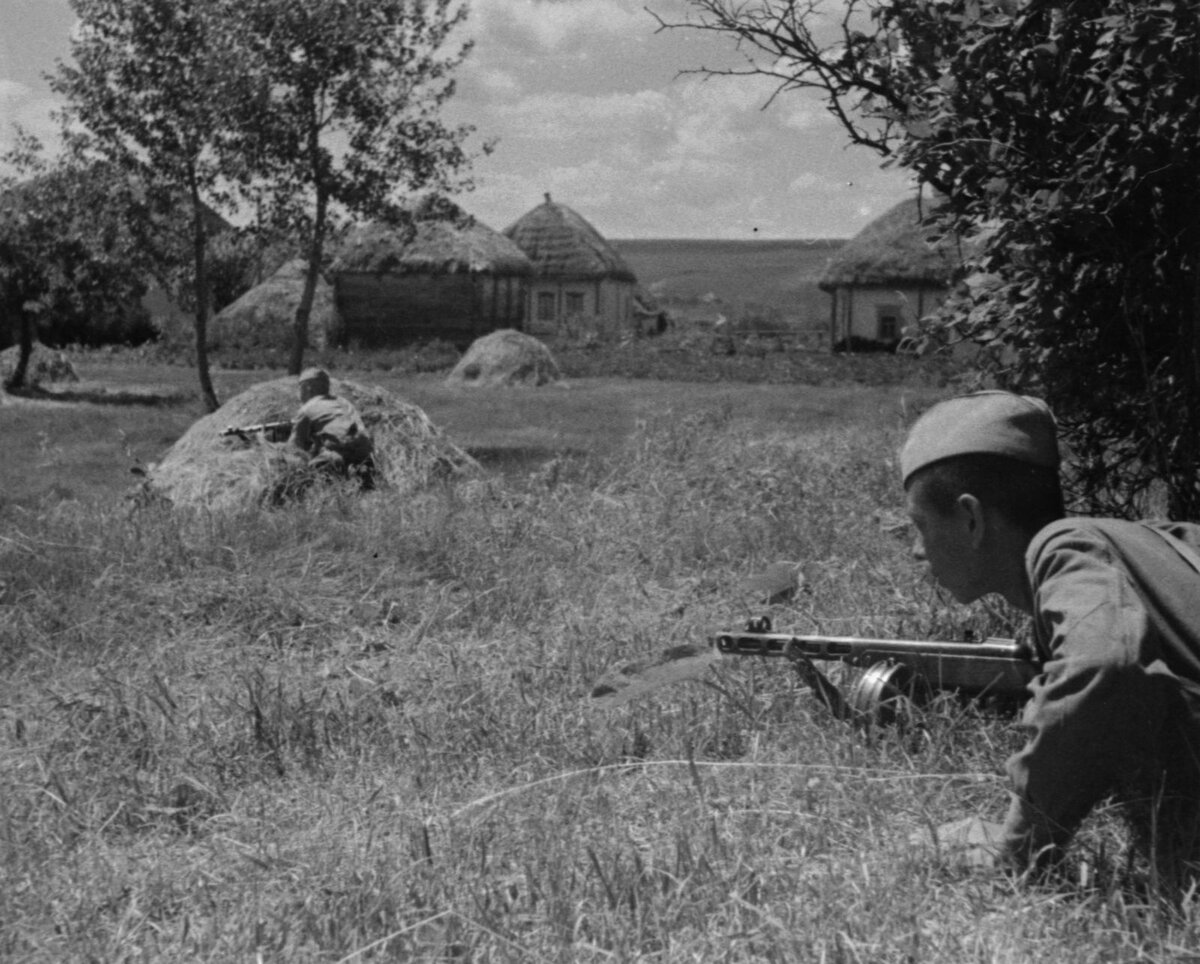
point(585, 99)
point(573, 116)
point(806, 182)
point(683, 157)
point(21, 105)
point(13, 92)
point(555, 26)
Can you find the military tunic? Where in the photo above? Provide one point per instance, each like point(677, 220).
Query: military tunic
point(1116, 609)
point(330, 430)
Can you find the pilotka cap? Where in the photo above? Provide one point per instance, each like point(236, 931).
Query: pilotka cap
point(986, 423)
point(314, 376)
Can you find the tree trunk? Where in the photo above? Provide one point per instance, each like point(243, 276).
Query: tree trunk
point(1185, 489)
point(207, 393)
point(16, 381)
point(304, 309)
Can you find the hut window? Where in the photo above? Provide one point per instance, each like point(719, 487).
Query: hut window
point(574, 302)
point(888, 322)
point(545, 306)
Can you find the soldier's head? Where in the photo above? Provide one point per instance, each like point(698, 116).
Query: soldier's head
point(314, 382)
point(981, 478)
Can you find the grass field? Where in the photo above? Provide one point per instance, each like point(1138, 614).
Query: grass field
point(773, 280)
point(82, 451)
point(359, 728)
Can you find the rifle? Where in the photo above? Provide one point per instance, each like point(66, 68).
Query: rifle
point(894, 670)
point(271, 431)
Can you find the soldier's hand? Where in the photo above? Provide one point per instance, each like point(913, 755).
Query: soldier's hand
point(971, 842)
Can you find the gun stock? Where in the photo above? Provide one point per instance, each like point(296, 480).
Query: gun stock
point(893, 668)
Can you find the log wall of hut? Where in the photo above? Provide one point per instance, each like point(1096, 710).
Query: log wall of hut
point(380, 310)
point(554, 301)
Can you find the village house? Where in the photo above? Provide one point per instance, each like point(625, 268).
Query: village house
point(446, 278)
point(893, 273)
point(578, 278)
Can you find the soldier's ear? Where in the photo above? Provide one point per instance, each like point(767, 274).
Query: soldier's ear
point(972, 517)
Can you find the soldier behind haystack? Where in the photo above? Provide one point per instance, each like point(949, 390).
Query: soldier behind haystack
point(330, 431)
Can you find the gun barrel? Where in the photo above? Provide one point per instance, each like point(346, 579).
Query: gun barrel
point(999, 666)
point(269, 429)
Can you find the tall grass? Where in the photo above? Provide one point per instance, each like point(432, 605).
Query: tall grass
point(359, 729)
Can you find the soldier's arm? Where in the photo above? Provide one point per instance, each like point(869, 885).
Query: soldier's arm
point(302, 432)
point(1095, 710)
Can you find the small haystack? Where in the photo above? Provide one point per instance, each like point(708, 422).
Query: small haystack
point(46, 366)
point(265, 315)
point(505, 357)
point(205, 470)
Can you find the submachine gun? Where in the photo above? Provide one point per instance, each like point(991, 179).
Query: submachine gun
point(270, 431)
point(894, 671)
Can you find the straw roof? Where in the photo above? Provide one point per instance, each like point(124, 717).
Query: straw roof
point(265, 315)
point(897, 248)
point(205, 470)
point(505, 357)
point(562, 244)
point(430, 246)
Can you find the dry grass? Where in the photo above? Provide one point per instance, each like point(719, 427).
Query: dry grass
point(358, 729)
point(206, 469)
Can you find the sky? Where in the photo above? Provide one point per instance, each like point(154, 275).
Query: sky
point(589, 101)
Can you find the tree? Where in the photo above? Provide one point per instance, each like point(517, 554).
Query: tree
point(1068, 134)
point(347, 114)
point(69, 251)
point(155, 84)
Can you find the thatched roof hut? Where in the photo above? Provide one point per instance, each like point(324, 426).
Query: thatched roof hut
point(562, 244)
point(430, 247)
point(576, 272)
point(264, 317)
point(894, 272)
point(901, 246)
point(451, 278)
point(203, 469)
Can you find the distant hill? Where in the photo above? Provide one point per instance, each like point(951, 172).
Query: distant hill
point(703, 278)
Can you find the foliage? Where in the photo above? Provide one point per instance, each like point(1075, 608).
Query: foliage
point(71, 268)
point(240, 259)
point(154, 84)
point(346, 115)
point(1071, 133)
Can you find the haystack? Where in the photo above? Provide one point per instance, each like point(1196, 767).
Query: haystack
point(505, 357)
point(205, 470)
point(46, 366)
point(265, 315)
